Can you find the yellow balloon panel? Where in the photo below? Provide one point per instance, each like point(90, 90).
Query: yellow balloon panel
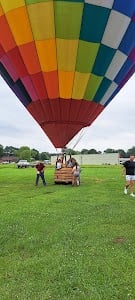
point(1, 11)
point(80, 84)
point(11, 4)
point(66, 54)
point(41, 17)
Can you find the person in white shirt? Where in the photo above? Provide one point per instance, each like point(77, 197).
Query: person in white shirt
point(58, 164)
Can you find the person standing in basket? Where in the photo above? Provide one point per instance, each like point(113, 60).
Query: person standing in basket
point(129, 171)
point(40, 173)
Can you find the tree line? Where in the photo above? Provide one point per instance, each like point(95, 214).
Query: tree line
point(25, 152)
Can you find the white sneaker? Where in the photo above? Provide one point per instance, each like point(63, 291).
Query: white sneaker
point(125, 191)
point(132, 195)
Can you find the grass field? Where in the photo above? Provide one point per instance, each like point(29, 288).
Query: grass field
point(66, 243)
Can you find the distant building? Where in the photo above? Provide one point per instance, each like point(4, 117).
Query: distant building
point(8, 159)
point(93, 159)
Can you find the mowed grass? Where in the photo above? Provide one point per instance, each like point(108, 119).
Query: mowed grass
point(66, 243)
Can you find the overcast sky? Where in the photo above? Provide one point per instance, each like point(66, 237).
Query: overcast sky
point(114, 128)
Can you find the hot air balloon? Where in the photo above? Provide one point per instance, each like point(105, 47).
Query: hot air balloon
point(66, 60)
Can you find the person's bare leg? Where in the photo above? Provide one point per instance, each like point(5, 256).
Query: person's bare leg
point(131, 186)
point(126, 187)
point(127, 184)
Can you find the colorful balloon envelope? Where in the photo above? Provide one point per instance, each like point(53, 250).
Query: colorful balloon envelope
point(66, 60)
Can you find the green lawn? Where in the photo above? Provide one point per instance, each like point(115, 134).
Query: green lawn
point(66, 243)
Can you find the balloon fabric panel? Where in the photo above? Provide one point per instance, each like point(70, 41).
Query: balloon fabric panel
point(117, 25)
point(104, 86)
point(88, 51)
point(103, 60)
point(11, 5)
point(80, 84)
point(52, 84)
point(22, 32)
point(68, 17)
point(66, 60)
point(125, 7)
point(41, 17)
point(93, 23)
point(8, 65)
point(46, 51)
point(115, 65)
point(92, 86)
point(127, 43)
point(30, 61)
point(6, 38)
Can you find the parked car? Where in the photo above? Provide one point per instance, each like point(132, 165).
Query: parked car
point(47, 162)
point(33, 164)
point(23, 163)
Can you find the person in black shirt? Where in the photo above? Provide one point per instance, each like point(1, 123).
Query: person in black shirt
point(129, 171)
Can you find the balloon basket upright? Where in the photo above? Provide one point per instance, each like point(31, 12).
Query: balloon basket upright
point(64, 174)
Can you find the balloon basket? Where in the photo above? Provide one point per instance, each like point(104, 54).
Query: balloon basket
point(64, 175)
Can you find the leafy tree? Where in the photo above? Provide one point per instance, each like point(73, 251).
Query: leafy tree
point(77, 152)
point(44, 156)
point(109, 150)
point(1, 150)
point(70, 151)
point(92, 151)
point(16, 153)
point(10, 150)
point(25, 154)
point(121, 152)
point(131, 151)
point(34, 154)
point(84, 151)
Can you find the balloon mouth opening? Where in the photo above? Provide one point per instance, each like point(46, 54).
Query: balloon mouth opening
point(60, 133)
point(62, 119)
